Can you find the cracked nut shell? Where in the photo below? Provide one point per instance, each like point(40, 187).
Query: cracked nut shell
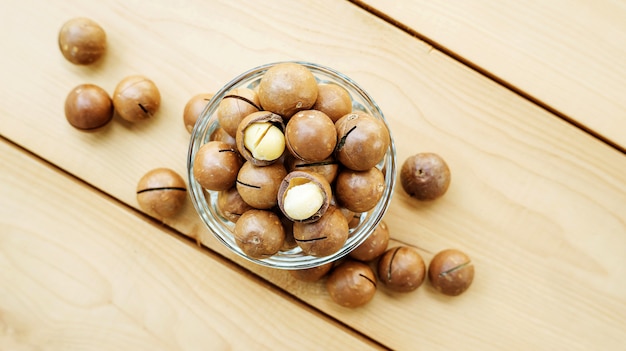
point(259, 233)
point(351, 284)
point(235, 106)
point(251, 142)
point(258, 185)
point(304, 196)
point(323, 237)
point(216, 165)
point(401, 269)
point(451, 272)
point(161, 191)
point(136, 98)
point(363, 141)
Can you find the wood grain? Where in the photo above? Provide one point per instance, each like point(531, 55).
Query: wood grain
point(95, 276)
point(566, 54)
point(536, 202)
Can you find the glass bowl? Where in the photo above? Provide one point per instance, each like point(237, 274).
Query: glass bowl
point(205, 201)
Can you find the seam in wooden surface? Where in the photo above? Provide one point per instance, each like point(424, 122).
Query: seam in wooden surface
point(457, 57)
point(204, 249)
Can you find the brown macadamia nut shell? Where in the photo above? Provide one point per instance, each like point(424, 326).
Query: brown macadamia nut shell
point(310, 135)
point(82, 41)
point(259, 233)
point(235, 106)
point(258, 185)
point(451, 272)
point(374, 246)
point(216, 166)
point(88, 107)
point(359, 191)
point(136, 98)
point(425, 176)
point(256, 117)
point(161, 191)
point(323, 237)
point(287, 88)
point(231, 205)
point(328, 168)
point(220, 134)
point(193, 109)
point(312, 274)
point(363, 141)
point(334, 100)
point(351, 284)
point(401, 269)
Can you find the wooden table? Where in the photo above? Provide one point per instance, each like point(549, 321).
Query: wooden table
point(526, 102)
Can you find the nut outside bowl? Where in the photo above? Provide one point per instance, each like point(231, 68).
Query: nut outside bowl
point(205, 201)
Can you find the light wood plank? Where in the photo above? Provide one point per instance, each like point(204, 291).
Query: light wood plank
point(80, 272)
point(567, 54)
point(536, 202)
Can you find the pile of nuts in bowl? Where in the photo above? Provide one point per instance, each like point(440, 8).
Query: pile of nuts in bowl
point(291, 165)
point(318, 167)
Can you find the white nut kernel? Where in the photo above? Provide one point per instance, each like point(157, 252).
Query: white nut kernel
point(264, 140)
point(303, 201)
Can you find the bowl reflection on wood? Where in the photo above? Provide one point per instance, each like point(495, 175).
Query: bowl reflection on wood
point(205, 201)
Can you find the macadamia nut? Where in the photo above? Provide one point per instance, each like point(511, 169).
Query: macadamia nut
point(351, 284)
point(82, 41)
point(88, 107)
point(136, 98)
point(161, 191)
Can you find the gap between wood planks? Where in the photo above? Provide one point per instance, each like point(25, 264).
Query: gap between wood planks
point(204, 249)
point(436, 46)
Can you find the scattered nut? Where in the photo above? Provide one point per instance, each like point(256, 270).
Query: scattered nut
point(88, 107)
point(136, 98)
point(82, 41)
point(161, 191)
point(425, 176)
point(451, 272)
point(401, 269)
point(351, 284)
